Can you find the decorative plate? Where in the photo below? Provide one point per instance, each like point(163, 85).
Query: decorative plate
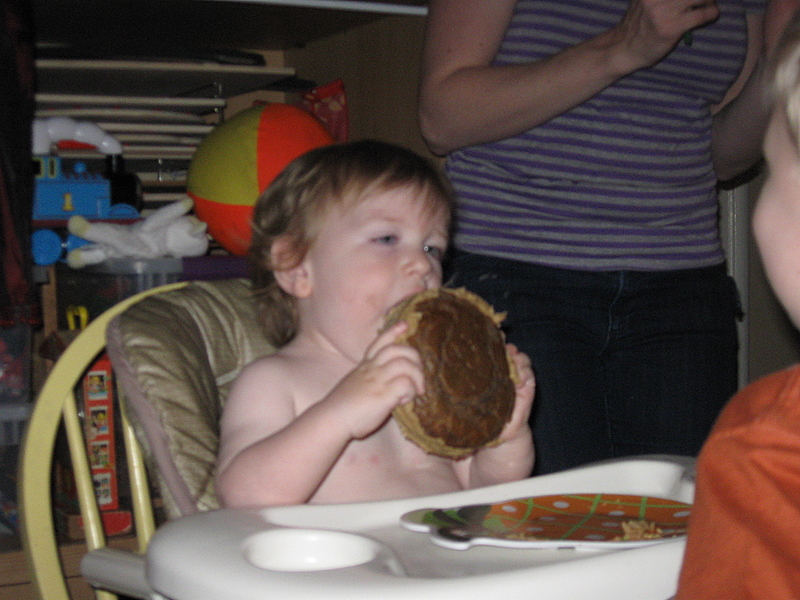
point(588, 521)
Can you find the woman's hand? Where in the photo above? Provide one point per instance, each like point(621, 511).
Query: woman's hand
point(650, 29)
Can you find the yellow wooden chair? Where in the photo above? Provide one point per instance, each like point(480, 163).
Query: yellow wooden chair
point(176, 349)
point(56, 404)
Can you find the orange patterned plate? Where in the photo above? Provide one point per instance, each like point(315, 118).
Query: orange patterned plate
point(559, 521)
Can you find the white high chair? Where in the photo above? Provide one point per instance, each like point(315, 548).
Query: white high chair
point(176, 350)
point(361, 551)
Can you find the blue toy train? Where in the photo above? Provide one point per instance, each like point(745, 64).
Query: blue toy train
point(58, 196)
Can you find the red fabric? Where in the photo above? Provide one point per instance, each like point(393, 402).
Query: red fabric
point(17, 71)
point(743, 535)
point(235, 235)
point(329, 104)
point(16, 285)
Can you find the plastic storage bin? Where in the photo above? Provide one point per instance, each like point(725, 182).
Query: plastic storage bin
point(99, 287)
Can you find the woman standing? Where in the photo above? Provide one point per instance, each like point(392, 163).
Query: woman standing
point(585, 141)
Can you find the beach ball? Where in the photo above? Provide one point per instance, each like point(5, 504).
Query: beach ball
point(239, 159)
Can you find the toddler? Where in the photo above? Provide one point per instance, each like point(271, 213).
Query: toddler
point(344, 233)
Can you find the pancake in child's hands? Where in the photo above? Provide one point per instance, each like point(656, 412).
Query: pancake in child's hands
point(469, 376)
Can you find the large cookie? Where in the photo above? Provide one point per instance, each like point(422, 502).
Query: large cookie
point(469, 376)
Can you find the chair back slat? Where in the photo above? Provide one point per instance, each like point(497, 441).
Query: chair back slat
point(141, 501)
point(56, 404)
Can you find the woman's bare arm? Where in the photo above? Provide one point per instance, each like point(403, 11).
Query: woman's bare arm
point(464, 100)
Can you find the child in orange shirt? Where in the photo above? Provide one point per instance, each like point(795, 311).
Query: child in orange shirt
point(743, 539)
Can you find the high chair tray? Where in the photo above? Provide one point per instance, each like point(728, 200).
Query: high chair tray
point(364, 550)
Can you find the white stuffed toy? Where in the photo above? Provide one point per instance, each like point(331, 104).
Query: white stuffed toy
point(168, 231)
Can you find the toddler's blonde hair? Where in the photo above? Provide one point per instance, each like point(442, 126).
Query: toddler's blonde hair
point(294, 206)
point(784, 77)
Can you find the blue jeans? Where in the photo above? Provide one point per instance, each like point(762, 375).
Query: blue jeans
point(626, 362)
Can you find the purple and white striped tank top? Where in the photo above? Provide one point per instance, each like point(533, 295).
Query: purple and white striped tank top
point(624, 181)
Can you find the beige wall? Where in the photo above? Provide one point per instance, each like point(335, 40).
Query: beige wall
point(379, 64)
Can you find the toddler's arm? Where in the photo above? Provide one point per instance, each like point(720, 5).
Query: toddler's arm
point(271, 453)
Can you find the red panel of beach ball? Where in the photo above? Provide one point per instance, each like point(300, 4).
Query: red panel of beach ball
point(239, 159)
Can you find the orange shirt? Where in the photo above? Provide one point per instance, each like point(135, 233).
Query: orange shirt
point(744, 533)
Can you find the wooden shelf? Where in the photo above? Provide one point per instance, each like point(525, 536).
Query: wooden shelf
point(189, 50)
point(143, 78)
point(153, 108)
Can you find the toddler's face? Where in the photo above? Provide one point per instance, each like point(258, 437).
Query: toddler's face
point(776, 220)
point(367, 257)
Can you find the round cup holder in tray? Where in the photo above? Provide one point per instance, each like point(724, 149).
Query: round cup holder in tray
point(303, 550)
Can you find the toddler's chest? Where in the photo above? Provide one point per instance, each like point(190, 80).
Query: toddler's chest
point(386, 465)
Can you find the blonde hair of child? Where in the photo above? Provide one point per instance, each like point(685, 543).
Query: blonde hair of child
point(294, 206)
point(784, 88)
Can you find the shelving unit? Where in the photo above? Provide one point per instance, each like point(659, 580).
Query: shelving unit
point(173, 67)
point(178, 79)
point(159, 74)
point(157, 110)
point(161, 93)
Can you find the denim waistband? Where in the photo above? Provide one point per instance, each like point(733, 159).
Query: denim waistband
point(578, 278)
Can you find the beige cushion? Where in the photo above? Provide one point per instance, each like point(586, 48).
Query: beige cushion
point(175, 355)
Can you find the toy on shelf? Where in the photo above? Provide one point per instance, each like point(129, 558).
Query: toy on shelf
point(48, 246)
point(329, 104)
point(76, 134)
point(240, 158)
point(60, 194)
point(168, 231)
point(65, 133)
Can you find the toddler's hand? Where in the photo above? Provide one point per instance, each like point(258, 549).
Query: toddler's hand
point(512, 458)
point(524, 397)
point(389, 374)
